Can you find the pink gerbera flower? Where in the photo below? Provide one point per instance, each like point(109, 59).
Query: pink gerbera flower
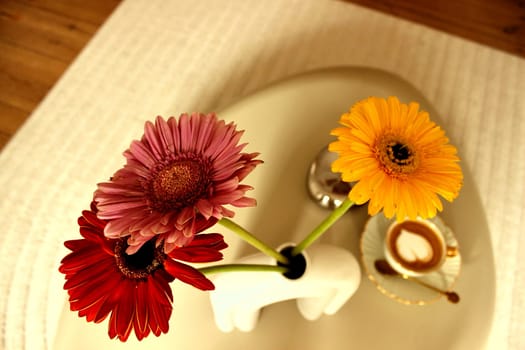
point(102, 280)
point(176, 182)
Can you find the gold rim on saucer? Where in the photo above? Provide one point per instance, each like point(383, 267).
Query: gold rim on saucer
point(403, 290)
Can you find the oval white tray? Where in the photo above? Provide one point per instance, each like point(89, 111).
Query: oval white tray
point(289, 122)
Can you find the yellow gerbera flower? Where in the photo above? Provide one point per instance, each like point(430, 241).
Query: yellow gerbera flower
point(400, 159)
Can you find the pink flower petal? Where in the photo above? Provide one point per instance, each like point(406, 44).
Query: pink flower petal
point(142, 154)
point(155, 145)
point(165, 135)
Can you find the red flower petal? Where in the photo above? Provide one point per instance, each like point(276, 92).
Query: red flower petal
point(188, 274)
point(203, 248)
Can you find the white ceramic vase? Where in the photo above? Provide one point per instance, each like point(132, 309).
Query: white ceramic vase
point(331, 276)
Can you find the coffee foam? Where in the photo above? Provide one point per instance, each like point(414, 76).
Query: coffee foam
point(412, 247)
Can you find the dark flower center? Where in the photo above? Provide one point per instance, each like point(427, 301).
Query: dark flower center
point(399, 153)
point(397, 157)
point(179, 184)
point(141, 264)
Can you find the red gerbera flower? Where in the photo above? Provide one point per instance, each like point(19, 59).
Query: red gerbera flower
point(101, 279)
point(176, 181)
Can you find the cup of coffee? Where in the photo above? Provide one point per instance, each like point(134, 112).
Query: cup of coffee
point(415, 247)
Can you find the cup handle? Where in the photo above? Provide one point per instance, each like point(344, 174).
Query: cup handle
point(452, 251)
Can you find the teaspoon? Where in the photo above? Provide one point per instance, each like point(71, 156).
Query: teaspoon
point(383, 267)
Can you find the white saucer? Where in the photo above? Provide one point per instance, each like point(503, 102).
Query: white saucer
point(403, 290)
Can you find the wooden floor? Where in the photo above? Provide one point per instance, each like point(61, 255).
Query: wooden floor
point(40, 38)
point(38, 41)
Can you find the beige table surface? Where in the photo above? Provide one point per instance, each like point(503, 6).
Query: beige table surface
point(165, 58)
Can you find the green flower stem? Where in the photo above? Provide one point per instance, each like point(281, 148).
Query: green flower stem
point(323, 226)
point(241, 267)
point(252, 240)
